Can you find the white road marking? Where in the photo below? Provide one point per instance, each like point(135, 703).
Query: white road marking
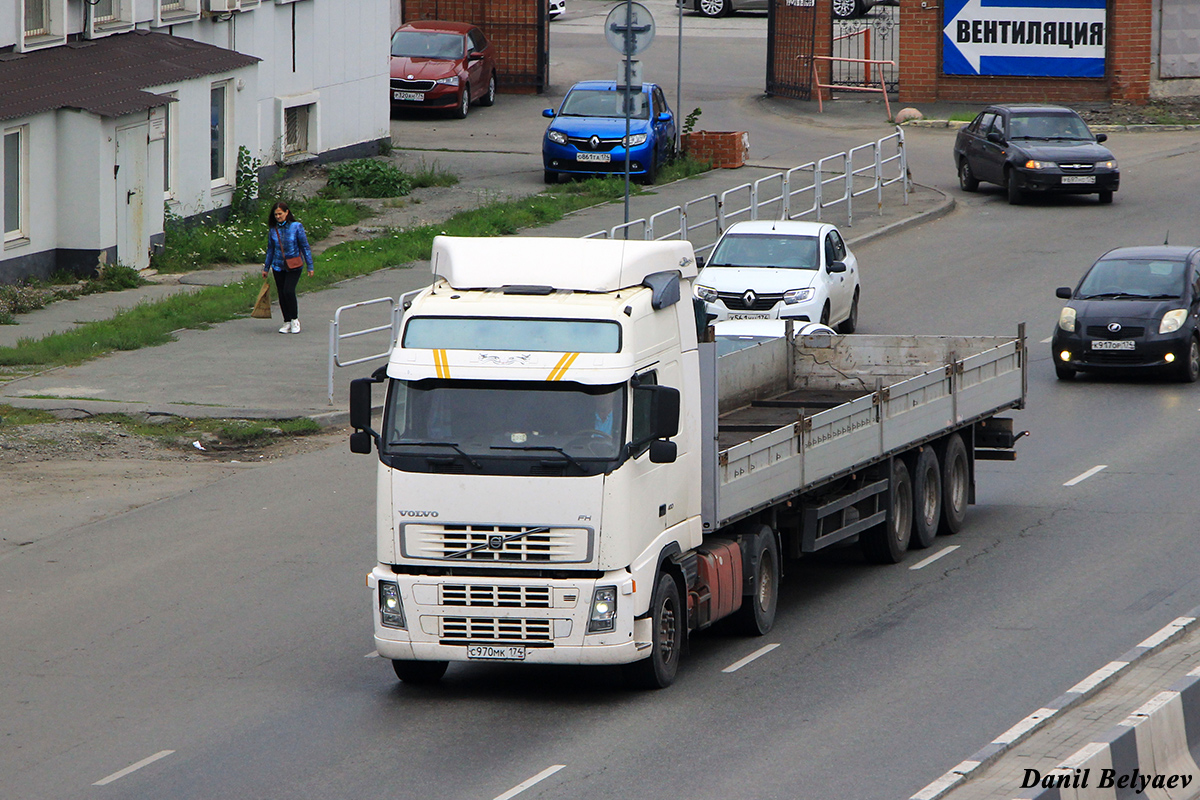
point(1098, 677)
point(372, 654)
point(1025, 726)
point(1086, 475)
point(523, 785)
point(1048, 340)
point(133, 768)
point(762, 651)
point(945, 551)
point(1167, 632)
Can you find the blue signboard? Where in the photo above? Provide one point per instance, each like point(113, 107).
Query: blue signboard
point(1026, 38)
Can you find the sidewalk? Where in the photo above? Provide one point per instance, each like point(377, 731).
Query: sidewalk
point(245, 369)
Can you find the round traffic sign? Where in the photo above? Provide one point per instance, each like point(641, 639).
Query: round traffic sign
point(629, 28)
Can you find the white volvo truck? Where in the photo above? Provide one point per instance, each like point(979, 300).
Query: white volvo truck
point(569, 474)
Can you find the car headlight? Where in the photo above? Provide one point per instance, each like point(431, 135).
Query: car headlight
point(1066, 320)
point(391, 612)
point(451, 81)
point(1107, 164)
point(634, 140)
point(558, 137)
point(1031, 164)
point(604, 609)
point(1173, 320)
point(705, 293)
point(798, 296)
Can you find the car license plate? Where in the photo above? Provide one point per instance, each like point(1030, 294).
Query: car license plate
point(1113, 344)
point(1079, 179)
point(602, 157)
point(413, 96)
point(749, 316)
point(514, 652)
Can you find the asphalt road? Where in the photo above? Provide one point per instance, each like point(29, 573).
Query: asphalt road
point(226, 630)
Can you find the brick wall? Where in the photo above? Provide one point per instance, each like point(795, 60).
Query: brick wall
point(1127, 67)
point(514, 28)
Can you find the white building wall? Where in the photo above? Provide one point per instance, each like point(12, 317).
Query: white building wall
point(83, 191)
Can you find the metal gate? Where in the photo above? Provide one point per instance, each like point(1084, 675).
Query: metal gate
point(791, 34)
point(873, 36)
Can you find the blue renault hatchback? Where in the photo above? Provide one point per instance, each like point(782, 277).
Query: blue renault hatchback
point(587, 134)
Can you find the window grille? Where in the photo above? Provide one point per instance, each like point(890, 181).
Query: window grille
point(37, 22)
point(104, 11)
point(295, 124)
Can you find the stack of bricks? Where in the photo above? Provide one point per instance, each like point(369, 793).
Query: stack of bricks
point(721, 149)
point(1128, 63)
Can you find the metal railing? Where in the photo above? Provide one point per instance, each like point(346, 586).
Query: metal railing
point(835, 181)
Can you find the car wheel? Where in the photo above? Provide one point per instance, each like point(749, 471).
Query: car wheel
point(844, 9)
point(1015, 195)
point(1063, 372)
point(714, 8)
point(648, 177)
point(1189, 370)
point(550, 177)
point(489, 99)
point(966, 178)
point(851, 322)
point(464, 103)
point(1105, 197)
point(825, 314)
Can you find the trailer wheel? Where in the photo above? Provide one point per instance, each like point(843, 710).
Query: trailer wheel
point(927, 498)
point(659, 670)
point(422, 673)
point(757, 614)
point(956, 485)
point(886, 543)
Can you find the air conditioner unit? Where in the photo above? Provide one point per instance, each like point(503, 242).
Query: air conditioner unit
point(222, 6)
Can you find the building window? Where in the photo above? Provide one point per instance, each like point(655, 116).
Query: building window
point(175, 12)
point(295, 130)
point(171, 5)
point(37, 17)
point(219, 148)
point(15, 184)
point(104, 11)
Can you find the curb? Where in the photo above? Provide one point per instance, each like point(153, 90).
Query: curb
point(1081, 691)
point(943, 208)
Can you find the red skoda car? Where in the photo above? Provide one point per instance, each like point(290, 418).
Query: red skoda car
point(442, 65)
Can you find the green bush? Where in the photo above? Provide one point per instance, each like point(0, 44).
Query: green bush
point(367, 177)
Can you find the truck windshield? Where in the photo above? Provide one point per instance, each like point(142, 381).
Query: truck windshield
point(480, 426)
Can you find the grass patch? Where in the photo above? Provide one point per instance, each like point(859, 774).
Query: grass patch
point(11, 416)
point(241, 432)
point(963, 116)
point(32, 295)
point(426, 175)
point(366, 177)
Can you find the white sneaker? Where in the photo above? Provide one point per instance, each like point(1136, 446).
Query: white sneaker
point(287, 327)
point(295, 326)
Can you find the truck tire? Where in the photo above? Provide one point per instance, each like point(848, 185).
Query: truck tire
point(956, 485)
point(927, 498)
point(757, 614)
point(659, 670)
point(422, 673)
point(886, 543)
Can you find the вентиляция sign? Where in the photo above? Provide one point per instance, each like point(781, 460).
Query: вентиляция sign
point(1025, 38)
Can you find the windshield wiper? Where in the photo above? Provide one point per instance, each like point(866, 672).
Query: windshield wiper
point(1114, 296)
point(559, 450)
point(451, 445)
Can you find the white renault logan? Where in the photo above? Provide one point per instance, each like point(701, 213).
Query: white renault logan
point(780, 269)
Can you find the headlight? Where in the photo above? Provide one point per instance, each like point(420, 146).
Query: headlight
point(1107, 164)
point(634, 140)
point(604, 609)
point(798, 296)
point(1066, 320)
point(558, 137)
point(1173, 320)
point(391, 613)
point(1031, 164)
point(706, 294)
point(451, 81)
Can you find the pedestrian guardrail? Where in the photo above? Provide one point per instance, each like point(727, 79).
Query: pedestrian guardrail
point(800, 192)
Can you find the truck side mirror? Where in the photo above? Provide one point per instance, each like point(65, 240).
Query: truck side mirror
point(662, 452)
point(360, 416)
point(666, 412)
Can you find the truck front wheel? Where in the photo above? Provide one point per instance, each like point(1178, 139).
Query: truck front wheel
point(757, 614)
point(886, 543)
point(666, 612)
point(420, 672)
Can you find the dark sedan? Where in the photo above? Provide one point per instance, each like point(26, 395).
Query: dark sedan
point(1035, 149)
point(1136, 308)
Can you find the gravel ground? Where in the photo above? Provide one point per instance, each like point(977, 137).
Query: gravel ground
point(1156, 112)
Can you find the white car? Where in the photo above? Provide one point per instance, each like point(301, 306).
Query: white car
point(556, 8)
point(782, 269)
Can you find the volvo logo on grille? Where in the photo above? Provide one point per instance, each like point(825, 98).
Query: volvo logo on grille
point(1114, 327)
point(495, 543)
point(594, 142)
point(749, 298)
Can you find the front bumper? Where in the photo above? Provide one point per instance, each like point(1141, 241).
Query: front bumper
point(445, 616)
point(797, 312)
point(440, 96)
point(1052, 181)
point(1150, 351)
point(564, 158)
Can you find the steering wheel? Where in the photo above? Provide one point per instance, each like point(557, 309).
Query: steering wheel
point(596, 442)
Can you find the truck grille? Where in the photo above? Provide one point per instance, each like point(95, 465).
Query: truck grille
point(490, 629)
point(496, 596)
point(497, 543)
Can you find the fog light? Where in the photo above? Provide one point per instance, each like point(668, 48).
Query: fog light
point(391, 612)
point(1169, 358)
point(1065, 355)
point(604, 609)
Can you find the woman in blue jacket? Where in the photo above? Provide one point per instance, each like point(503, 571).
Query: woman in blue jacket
point(287, 255)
